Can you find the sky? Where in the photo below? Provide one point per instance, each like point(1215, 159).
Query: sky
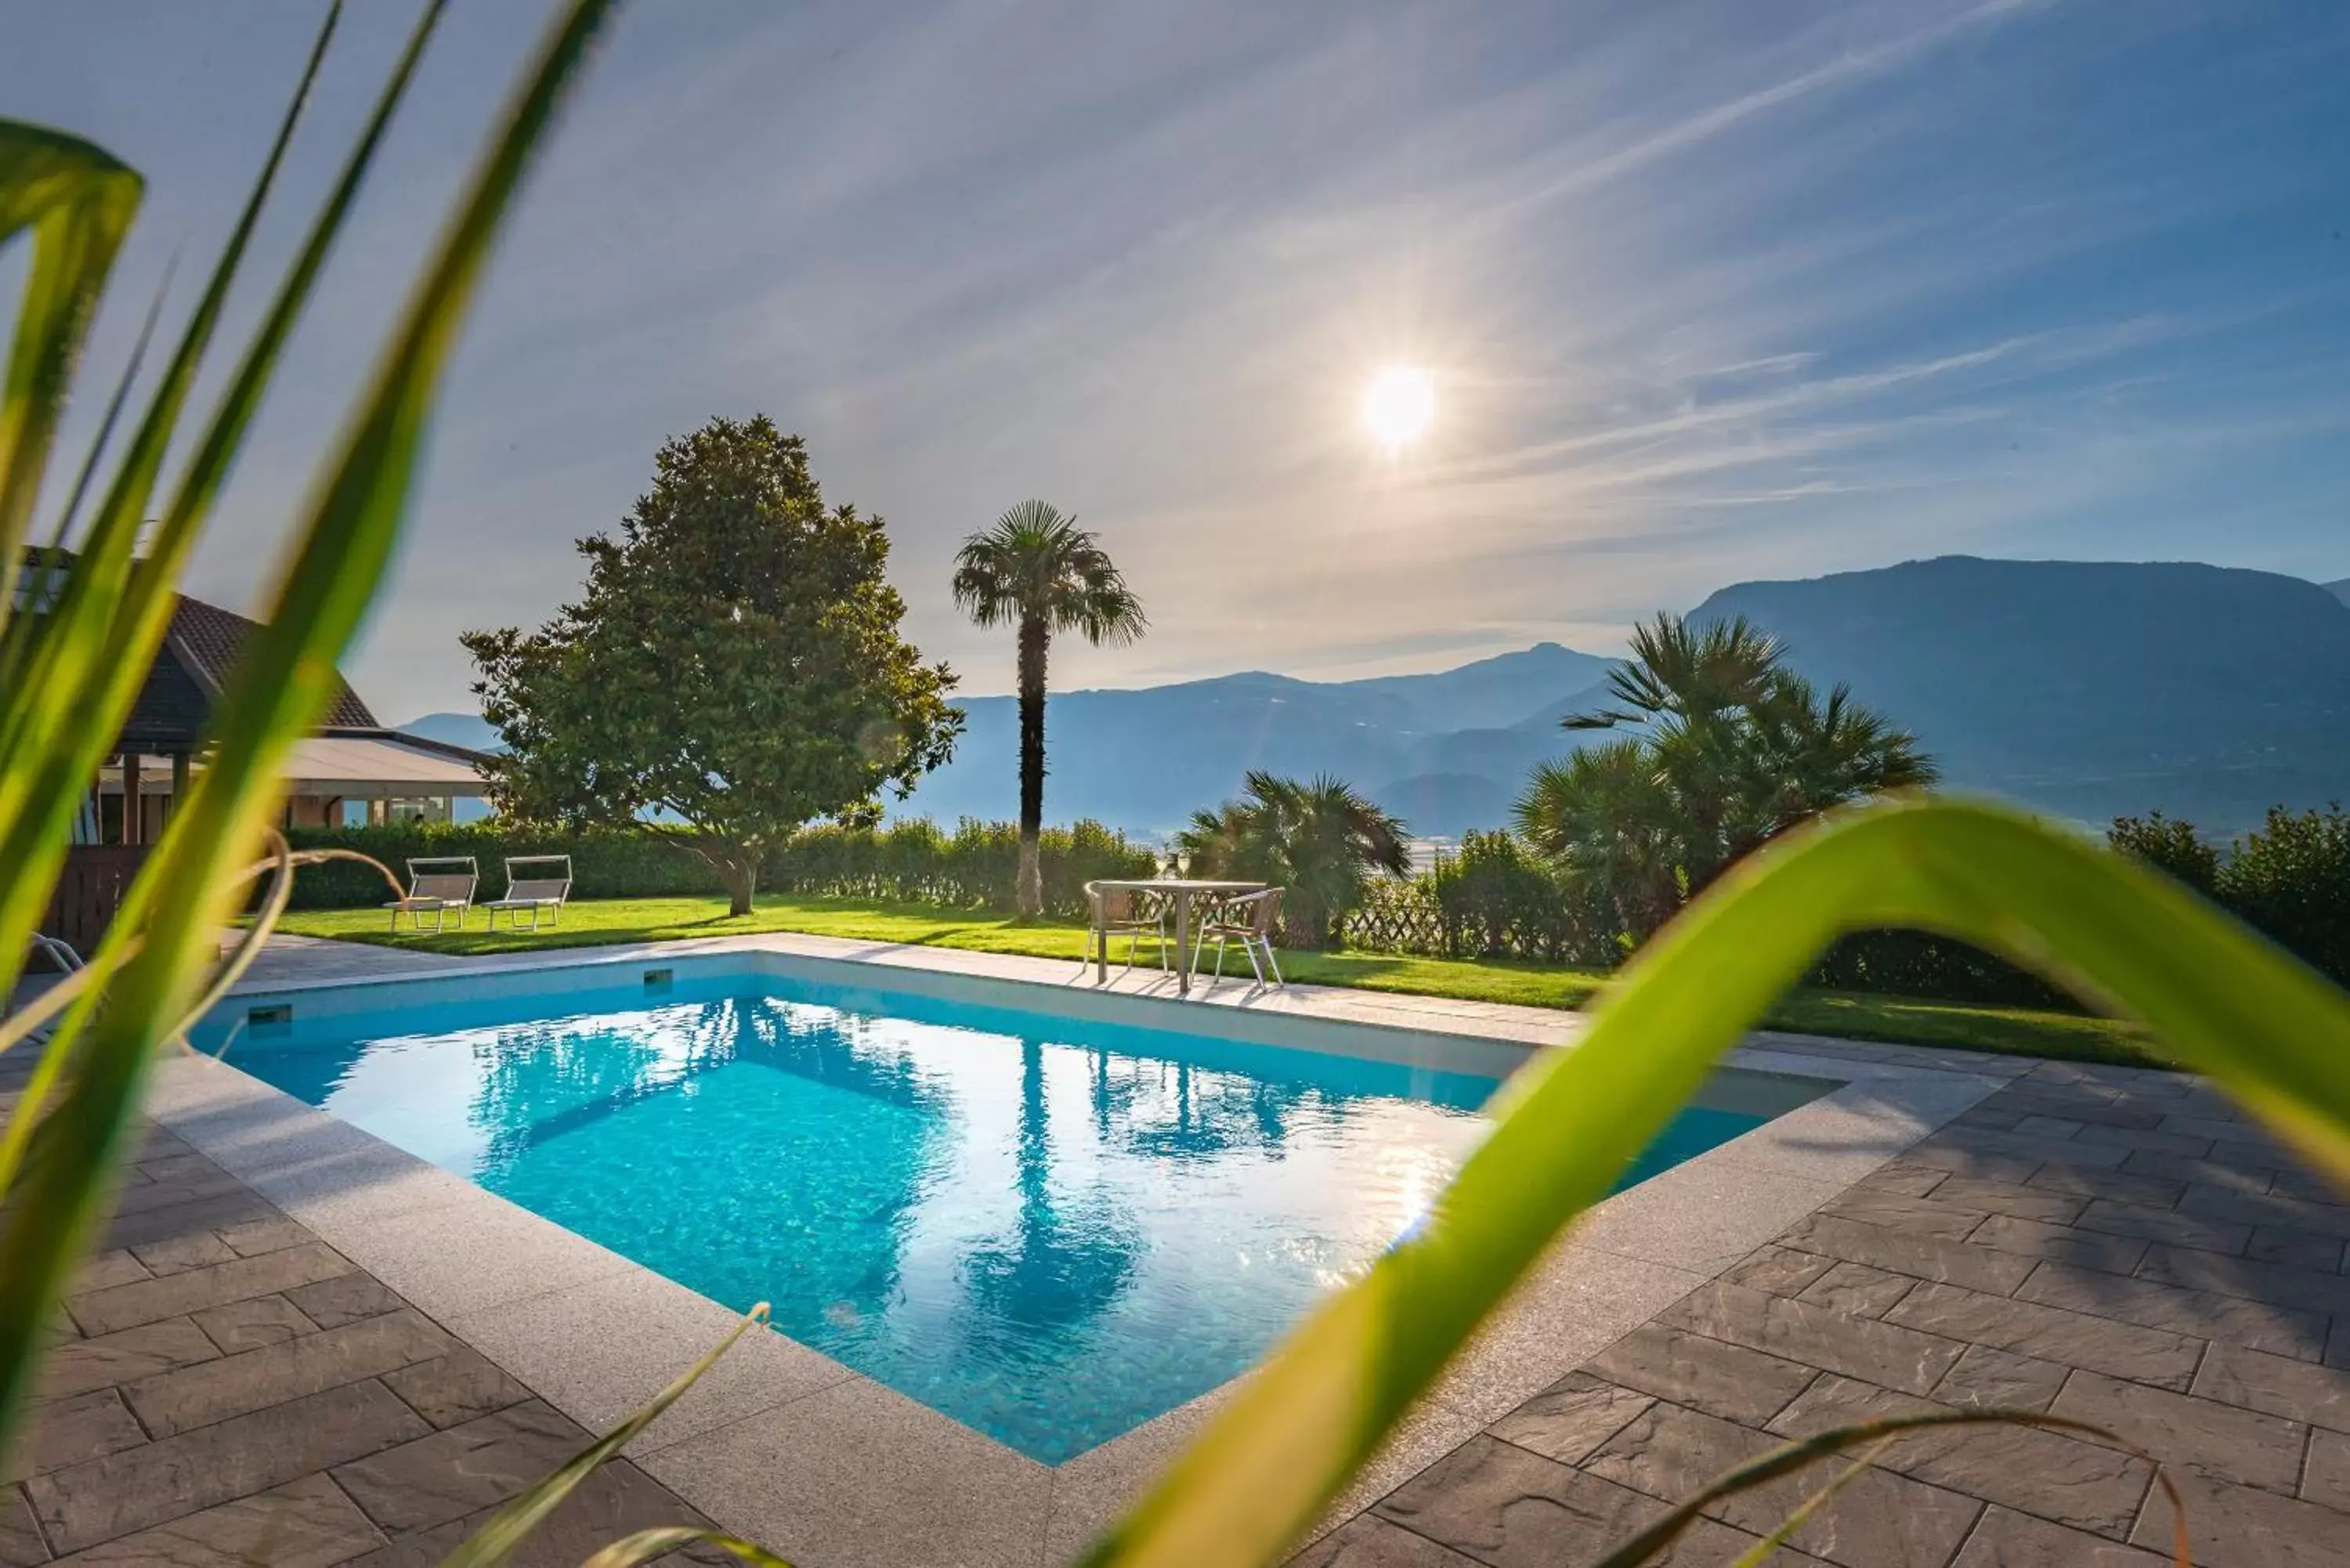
point(1708, 291)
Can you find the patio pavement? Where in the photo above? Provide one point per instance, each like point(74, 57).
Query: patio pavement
point(2116, 1246)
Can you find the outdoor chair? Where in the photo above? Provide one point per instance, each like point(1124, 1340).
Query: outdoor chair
point(436, 885)
point(1251, 920)
point(58, 951)
point(1122, 911)
point(539, 883)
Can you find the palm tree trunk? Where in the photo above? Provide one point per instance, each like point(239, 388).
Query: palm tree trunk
point(1028, 889)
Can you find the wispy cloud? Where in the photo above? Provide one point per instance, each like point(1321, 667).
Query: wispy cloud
point(1711, 291)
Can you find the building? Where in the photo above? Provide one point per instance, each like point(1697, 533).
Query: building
point(352, 770)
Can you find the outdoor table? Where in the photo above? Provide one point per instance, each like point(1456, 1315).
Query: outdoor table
point(1178, 888)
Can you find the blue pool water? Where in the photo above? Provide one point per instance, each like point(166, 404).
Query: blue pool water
point(1050, 1229)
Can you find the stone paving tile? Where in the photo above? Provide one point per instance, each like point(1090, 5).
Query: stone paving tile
point(2121, 1186)
point(84, 1504)
point(20, 1537)
point(1510, 1508)
point(1956, 1146)
point(307, 1523)
point(2052, 1334)
point(248, 1325)
point(2279, 1385)
point(1367, 1540)
point(2059, 1244)
point(273, 1374)
point(617, 1500)
point(2038, 1472)
point(182, 1254)
point(80, 1365)
point(330, 1303)
point(2326, 1477)
point(2006, 1538)
point(2214, 1439)
point(2265, 1209)
point(1984, 1377)
point(2228, 1176)
point(2139, 1142)
point(2150, 1302)
point(254, 1237)
point(456, 1387)
point(1779, 1271)
point(2295, 1248)
point(2244, 1527)
point(1710, 1375)
point(2010, 1198)
point(145, 1301)
point(1919, 1216)
point(446, 1475)
point(135, 1200)
point(196, 1218)
point(1924, 1257)
point(2292, 1290)
point(1902, 1179)
point(1897, 1357)
point(114, 1268)
point(1880, 1517)
point(60, 1432)
point(1572, 1416)
point(1858, 1289)
point(2165, 1225)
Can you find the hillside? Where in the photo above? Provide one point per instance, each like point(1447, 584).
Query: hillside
point(2089, 689)
point(2340, 590)
point(2086, 688)
point(1448, 751)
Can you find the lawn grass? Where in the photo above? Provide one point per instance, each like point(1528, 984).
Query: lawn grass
point(1848, 1014)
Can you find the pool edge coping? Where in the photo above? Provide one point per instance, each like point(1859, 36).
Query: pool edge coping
point(578, 1336)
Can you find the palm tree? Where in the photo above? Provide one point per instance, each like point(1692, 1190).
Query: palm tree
point(1036, 570)
point(1734, 750)
point(1323, 841)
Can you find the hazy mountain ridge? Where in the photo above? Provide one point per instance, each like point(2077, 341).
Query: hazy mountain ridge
point(2088, 689)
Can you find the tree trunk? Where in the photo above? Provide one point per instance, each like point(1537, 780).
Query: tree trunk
point(1029, 888)
point(740, 871)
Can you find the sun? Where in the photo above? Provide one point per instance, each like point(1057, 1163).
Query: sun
point(1399, 405)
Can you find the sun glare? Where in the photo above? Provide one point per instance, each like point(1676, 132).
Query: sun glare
point(1399, 405)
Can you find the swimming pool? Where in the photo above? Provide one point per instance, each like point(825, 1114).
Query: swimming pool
point(1049, 1227)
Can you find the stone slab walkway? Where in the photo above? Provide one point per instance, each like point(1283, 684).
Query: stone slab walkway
point(2123, 1248)
point(226, 1390)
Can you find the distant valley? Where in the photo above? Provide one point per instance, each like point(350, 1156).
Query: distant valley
point(2086, 689)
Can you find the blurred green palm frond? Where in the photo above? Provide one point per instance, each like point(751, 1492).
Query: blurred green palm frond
point(87, 608)
point(2221, 998)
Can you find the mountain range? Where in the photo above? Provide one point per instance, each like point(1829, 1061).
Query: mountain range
point(2089, 690)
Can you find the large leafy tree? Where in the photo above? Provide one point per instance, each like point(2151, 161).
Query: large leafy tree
point(1732, 749)
point(736, 662)
point(1036, 571)
point(1322, 840)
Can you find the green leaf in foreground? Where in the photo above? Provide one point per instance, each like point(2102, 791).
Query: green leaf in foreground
point(2223, 999)
point(510, 1525)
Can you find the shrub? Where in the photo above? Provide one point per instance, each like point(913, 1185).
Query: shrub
point(2291, 878)
point(1499, 898)
point(2169, 844)
point(912, 862)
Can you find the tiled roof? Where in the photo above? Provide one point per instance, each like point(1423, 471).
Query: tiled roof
point(207, 639)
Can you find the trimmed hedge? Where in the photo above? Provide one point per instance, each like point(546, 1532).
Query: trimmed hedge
point(913, 862)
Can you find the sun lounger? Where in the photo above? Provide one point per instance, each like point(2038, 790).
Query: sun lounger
point(536, 883)
point(436, 885)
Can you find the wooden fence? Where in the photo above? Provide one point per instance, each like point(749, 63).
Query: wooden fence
point(89, 890)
